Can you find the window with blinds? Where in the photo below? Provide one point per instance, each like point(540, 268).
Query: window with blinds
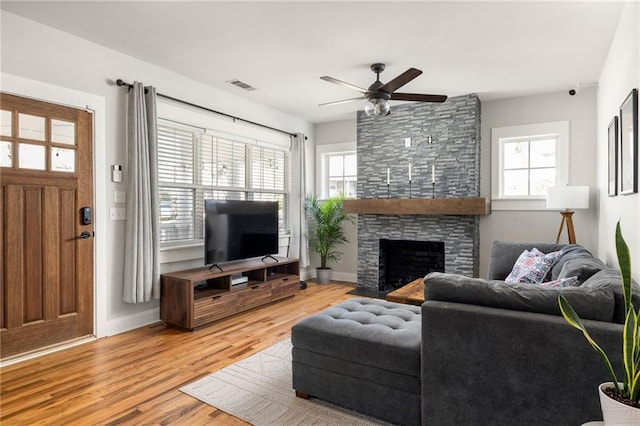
point(195, 164)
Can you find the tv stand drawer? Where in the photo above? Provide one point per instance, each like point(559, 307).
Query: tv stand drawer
point(285, 287)
point(254, 296)
point(214, 307)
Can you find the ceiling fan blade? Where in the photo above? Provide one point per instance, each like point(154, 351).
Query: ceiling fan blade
point(343, 101)
point(401, 80)
point(417, 97)
point(342, 83)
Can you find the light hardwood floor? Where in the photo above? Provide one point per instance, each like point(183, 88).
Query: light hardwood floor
point(133, 378)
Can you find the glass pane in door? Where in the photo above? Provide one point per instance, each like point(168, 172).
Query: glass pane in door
point(63, 160)
point(63, 132)
point(6, 125)
point(31, 127)
point(31, 156)
point(6, 159)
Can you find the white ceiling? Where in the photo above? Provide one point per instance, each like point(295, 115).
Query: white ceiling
point(495, 49)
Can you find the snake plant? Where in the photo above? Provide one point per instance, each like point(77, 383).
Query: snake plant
point(631, 333)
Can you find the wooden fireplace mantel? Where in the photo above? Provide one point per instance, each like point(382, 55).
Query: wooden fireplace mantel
point(419, 206)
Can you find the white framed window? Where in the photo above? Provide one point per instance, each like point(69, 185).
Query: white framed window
point(526, 160)
point(338, 169)
point(200, 162)
point(195, 164)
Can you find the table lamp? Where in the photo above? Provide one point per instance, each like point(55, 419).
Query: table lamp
point(567, 198)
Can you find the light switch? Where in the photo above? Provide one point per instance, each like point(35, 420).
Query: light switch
point(118, 213)
point(119, 197)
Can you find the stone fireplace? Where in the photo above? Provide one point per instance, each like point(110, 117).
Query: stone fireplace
point(453, 128)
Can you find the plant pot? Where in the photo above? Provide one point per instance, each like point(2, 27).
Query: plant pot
point(323, 275)
point(616, 413)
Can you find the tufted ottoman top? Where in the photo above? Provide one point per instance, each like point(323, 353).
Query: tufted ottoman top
point(372, 332)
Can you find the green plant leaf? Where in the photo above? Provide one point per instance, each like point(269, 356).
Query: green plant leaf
point(574, 320)
point(634, 383)
point(326, 231)
point(624, 261)
point(629, 336)
point(631, 328)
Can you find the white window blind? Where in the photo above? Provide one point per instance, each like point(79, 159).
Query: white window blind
point(196, 164)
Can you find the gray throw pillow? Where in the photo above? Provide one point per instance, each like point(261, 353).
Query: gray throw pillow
point(581, 267)
point(571, 252)
point(592, 302)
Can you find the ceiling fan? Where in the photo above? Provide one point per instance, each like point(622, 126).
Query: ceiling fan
point(379, 94)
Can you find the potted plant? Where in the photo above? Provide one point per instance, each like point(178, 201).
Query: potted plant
point(620, 401)
point(326, 232)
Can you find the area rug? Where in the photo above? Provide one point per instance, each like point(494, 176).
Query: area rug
point(258, 390)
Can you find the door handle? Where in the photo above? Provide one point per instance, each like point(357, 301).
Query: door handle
point(84, 235)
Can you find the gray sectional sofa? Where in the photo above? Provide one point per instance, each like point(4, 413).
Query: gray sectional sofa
point(487, 353)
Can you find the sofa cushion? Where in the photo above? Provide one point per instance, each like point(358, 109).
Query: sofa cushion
point(611, 277)
point(594, 302)
point(532, 266)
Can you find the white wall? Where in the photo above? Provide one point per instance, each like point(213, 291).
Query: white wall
point(542, 226)
point(339, 132)
point(37, 52)
point(620, 74)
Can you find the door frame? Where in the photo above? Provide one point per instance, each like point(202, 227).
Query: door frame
point(95, 104)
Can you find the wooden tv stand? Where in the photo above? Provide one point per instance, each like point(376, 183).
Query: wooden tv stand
point(195, 297)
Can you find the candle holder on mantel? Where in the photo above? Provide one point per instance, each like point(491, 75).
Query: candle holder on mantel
point(433, 190)
point(388, 191)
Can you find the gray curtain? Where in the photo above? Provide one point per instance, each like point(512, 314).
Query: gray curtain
point(299, 240)
point(141, 263)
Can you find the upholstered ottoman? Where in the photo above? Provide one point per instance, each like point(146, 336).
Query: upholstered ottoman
point(362, 354)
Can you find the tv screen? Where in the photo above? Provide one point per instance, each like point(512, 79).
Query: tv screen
point(239, 230)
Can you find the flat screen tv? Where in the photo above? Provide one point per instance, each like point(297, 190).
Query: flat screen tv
point(237, 229)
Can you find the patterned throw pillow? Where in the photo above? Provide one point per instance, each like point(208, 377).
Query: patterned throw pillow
point(563, 282)
point(532, 266)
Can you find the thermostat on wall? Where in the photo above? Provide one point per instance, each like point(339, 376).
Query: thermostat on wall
point(116, 173)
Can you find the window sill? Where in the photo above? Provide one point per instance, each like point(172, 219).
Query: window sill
point(194, 250)
point(182, 252)
point(519, 204)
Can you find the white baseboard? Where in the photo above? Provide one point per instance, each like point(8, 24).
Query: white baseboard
point(120, 325)
point(344, 276)
point(310, 272)
point(306, 273)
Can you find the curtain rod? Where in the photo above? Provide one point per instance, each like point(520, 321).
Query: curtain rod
point(120, 82)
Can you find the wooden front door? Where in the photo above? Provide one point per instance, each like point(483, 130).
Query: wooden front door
point(46, 249)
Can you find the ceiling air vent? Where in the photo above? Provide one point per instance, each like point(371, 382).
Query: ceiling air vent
point(241, 84)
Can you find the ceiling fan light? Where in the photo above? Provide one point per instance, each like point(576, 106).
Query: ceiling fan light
point(377, 106)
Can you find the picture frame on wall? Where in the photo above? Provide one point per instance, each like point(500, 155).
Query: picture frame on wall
point(613, 157)
point(629, 144)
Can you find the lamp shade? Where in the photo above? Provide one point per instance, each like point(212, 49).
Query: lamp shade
point(568, 197)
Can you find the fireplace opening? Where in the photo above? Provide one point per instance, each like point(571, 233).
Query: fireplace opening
point(403, 261)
